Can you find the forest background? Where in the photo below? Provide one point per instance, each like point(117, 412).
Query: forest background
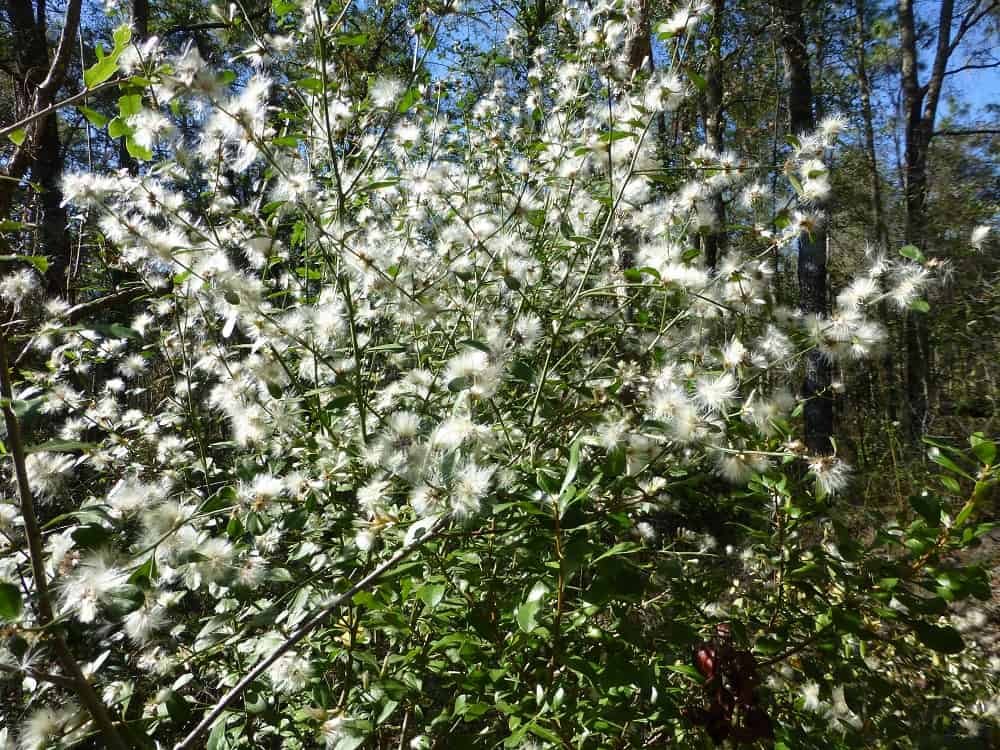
point(883, 439)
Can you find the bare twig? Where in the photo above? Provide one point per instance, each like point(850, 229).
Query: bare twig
point(7, 129)
point(15, 447)
point(81, 311)
point(55, 679)
point(317, 619)
point(959, 133)
point(189, 28)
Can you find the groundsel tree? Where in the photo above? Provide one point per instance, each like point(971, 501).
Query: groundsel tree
point(446, 435)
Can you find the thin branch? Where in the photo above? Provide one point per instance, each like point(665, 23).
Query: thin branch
point(83, 310)
point(58, 105)
point(321, 615)
point(961, 133)
point(796, 648)
point(78, 312)
point(55, 679)
point(969, 20)
point(57, 71)
point(963, 68)
point(33, 532)
point(208, 26)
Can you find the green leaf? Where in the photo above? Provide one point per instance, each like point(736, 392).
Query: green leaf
point(571, 469)
point(431, 594)
point(985, 450)
point(129, 105)
point(410, 98)
point(527, 612)
point(945, 640)
point(615, 463)
point(10, 602)
point(143, 575)
point(912, 252)
point(61, 446)
point(118, 127)
point(847, 620)
point(90, 536)
point(92, 116)
point(942, 460)
point(310, 85)
point(456, 385)
point(107, 65)
point(965, 513)
point(688, 671)
point(217, 738)
point(17, 137)
point(920, 305)
point(950, 483)
point(928, 507)
point(116, 330)
point(698, 80)
point(378, 185)
point(535, 217)
point(350, 742)
point(622, 548)
point(352, 40)
point(546, 734)
point(40, 262)
point(137, 151)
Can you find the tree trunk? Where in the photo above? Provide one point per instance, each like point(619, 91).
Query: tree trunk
point(715, 240)
point(887, 370)
point(52, 231)
point(36, 82)
point(640, 51)
point(920, 110)
point(865, 89)
point(818, 410)
point(140, 21)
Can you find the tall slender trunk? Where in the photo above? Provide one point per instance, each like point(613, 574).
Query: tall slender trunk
point(37, 80)
point(818, 410)
point(887, 362)
point(920, 104)
point(140, 32)
point(714, 116)
point(865, 90)
point(639, 55)
point(140, 21)
point(52, 230)
point(640, 52)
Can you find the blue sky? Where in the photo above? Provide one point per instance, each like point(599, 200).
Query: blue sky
point(977, 87)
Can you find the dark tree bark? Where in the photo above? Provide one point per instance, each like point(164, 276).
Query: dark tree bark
point(37, 79)
point(880, 227)
point(920, 104)
point(140, 21)
point(818, 410)
point(139, 24)
point(715, 126)
point(53, 237)
point(865, 90)
point(640, 51)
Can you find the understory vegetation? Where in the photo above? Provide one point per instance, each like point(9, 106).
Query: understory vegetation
point(420, 375)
